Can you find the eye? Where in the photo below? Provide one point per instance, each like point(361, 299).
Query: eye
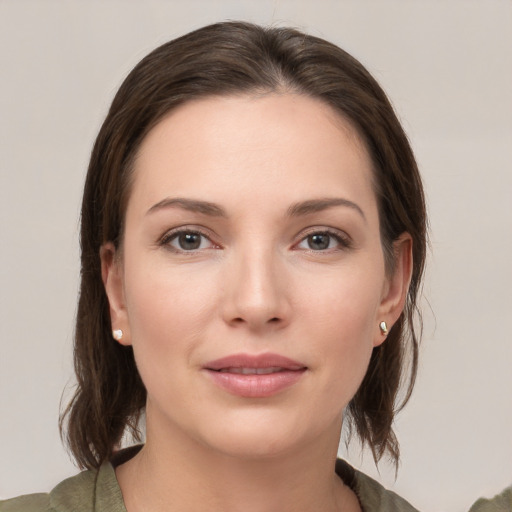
point(187, 241)
point(323, 241)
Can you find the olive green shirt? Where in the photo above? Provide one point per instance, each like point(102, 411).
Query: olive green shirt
point(99, 491)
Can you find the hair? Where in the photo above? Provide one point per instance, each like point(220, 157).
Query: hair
point(226, 59)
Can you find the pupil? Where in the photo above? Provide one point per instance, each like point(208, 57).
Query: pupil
point(318, 242)
point(189, 241)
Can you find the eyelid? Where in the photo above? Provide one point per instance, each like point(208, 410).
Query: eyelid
point(171, 234)
point(344, 240)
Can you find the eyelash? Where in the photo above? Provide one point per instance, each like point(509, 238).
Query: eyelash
point(176, 233)
point(343, 240)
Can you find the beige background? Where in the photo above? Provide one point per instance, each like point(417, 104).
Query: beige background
point(447, 65)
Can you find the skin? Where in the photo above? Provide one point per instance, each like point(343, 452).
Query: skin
point(258, 282)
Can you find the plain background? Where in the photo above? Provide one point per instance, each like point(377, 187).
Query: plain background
point(447, 66)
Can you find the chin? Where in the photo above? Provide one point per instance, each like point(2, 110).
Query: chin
point(261, 436)
point(253, 446)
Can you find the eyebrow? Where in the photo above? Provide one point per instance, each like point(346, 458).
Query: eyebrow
point(192, 205)
point(214, 210)
point(318, 205)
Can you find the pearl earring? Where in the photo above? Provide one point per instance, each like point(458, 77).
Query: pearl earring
point(117, 334)
point(383, 328)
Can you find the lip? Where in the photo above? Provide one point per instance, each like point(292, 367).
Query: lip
point(255, 376)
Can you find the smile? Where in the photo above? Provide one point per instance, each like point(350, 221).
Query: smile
point(253, 371)
point(256, 376)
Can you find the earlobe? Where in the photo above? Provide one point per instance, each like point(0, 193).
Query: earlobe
point(397, 286)
point(112, 276)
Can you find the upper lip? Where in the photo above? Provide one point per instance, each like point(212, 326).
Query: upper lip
point(267, 360)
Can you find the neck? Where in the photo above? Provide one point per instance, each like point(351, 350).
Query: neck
point(176, 473)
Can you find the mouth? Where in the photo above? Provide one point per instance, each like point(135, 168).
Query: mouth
point(252, 371)
point(255, 376)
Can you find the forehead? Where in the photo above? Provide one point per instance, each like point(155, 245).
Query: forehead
point(253, 146)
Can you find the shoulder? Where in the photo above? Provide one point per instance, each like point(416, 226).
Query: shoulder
point(372, 495)
point(29, 503)
point(90, 490)
point(500, 503)
point(73, 494)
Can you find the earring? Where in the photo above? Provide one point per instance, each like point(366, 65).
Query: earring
point(117, 334)
point(383, 328)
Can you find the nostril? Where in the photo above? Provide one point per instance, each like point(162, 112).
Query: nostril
point(240, 320)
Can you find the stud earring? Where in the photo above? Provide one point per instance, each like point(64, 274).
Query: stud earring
point(383, 328)
point(117, 334)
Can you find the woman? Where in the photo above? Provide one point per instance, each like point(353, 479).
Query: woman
point(253, 240)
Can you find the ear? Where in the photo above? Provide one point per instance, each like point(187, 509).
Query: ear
point(112, 275)
point(396, 285)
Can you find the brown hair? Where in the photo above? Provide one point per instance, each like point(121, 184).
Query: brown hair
point(221, 59)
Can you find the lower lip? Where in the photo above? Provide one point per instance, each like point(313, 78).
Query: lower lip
point(256, 386)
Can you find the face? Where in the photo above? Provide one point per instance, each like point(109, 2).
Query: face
point(251, 281)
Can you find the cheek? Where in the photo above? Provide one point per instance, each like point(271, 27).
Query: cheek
point(168, 310)
point(342, 328)
point(346, 302)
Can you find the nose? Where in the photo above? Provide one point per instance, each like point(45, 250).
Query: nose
point(256, 292)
